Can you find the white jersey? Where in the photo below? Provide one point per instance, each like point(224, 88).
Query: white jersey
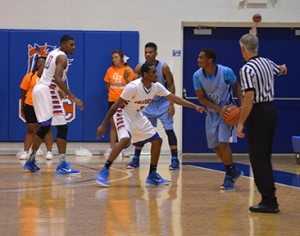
point(50, 66)
point(138, 97)
point(129, 119)
point(47, 104)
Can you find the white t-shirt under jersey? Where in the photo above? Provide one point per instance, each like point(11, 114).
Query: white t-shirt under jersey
point(138, 97)
point(50, 66)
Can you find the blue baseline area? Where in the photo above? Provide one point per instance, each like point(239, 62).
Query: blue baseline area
point(281, 177)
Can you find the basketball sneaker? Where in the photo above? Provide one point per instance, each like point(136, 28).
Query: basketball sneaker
point(228, 183)
point(49, 155)
point(31, 166)
point(174, 164)
point(23, 156)
point(135, 163)
point(102, 177)
point(64, 169)
point(156, 179)
point(236, 174)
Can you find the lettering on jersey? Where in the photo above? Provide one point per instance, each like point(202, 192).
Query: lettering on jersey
point(143, 102)
point(147, 101)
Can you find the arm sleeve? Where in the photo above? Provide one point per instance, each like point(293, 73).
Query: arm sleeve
point(161, 90)
point(107, 74)
point(129, 91)
point(25, 84)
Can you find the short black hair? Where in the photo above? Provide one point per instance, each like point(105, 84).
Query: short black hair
point(43, 57)
point(210, 53)
point(145, 68)
point(151, 45)
point(65, 38)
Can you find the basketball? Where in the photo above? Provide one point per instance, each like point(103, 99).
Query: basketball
point(233, 115)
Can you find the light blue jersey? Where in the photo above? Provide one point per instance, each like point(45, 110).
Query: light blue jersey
point(158, 108)
point(217, 87)
point(218, 90)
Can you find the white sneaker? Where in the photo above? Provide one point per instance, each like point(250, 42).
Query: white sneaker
point(39, 152)
point(23, 155)
point(49, 156)
point(107, 153)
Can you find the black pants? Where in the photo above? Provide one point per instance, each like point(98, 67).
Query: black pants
point(260, 130)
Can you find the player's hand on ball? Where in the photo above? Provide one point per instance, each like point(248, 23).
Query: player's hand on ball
point(224, 111)
point(231, 114)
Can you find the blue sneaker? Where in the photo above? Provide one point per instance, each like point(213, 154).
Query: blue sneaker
point(236, 174)
point(174, 164)
point(64, 169)
point(228, 183)
point(31, 166)
point(135, 163)
point(102, 177)
point(156, 179)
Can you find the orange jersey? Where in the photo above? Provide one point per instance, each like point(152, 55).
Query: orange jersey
point(114, 76)
point(27, 84)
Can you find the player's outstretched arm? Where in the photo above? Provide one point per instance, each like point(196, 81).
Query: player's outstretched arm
point(185, 103)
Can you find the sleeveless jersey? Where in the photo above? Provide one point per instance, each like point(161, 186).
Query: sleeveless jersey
point(160, 79)
point(49, 69)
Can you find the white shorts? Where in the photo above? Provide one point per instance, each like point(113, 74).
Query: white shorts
point(137, 127)
point(47, 105)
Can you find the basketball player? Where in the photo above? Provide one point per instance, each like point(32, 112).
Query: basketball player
point(132, 125)
point(160, 107)
point(212, 84)
point(48, 106)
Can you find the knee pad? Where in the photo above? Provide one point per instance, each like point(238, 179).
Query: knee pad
point(62, 131)
point(42, 130)
point(171, 137)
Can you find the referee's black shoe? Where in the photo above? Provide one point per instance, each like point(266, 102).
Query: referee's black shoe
point(262, 208)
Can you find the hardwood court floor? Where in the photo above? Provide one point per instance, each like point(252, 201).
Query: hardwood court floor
point(47, 204)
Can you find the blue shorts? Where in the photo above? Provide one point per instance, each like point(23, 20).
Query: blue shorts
point(217, 131)
point(158, 109)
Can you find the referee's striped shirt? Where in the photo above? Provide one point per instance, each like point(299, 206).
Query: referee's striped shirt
point(258, 75)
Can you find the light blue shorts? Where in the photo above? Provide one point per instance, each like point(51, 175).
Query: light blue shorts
point(158, 109)
point(217, 131)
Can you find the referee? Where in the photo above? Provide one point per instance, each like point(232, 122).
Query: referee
point(259, 115)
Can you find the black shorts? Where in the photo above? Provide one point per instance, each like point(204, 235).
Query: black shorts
point(29, 113)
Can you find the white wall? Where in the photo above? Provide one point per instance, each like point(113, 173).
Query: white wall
point(160, 21)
